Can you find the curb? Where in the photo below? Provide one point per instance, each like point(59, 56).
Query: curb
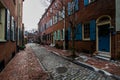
point(88, 66)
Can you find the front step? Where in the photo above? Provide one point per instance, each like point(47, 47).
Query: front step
point(103, 55)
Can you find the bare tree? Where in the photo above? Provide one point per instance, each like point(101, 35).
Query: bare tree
point(70, 19)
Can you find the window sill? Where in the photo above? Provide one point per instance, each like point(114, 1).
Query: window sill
point(86, 39)
point(2, 41)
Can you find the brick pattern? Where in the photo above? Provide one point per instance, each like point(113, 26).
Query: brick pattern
point(86, 13)
point(118, 45)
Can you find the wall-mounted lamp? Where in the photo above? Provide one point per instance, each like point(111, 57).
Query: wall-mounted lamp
point(112, 29)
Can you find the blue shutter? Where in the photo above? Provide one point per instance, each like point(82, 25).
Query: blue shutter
point(86, 2)
point(76, 5)
point(69, 33)
point(92, 30)
point(69, 8)
point(79, 32)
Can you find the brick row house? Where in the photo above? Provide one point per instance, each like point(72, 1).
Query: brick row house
point(11, 29)
point(96, 26)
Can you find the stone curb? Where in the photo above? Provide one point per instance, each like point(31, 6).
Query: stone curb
point(88, 66)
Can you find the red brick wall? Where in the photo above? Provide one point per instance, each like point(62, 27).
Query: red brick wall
point(85, 14)
point(9, 47)
point(118, 45)
point(6, 50)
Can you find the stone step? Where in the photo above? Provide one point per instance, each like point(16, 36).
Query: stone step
point(103, 57)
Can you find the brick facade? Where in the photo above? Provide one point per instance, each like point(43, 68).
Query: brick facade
point(8, 47)
point(86, 13)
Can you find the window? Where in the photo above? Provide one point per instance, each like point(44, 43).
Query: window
point(63, 13)
point(90, 1)
point(86, 2)
point(55, 5)
point(50, 22)
point(60, 18)
point(51, 10)
point(69, 8)
point(86, 31)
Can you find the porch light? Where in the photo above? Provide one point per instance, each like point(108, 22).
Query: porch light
point(112, 29)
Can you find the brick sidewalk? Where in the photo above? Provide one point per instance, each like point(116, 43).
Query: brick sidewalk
point(111, 67)
point(24, 66)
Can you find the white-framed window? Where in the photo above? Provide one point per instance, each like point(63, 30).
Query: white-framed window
point(56, 18)
point(90, 1)
point(56, 5)
point(60, 15)
point(51, 10)
point(86, 31)
point(47, 14)
point(63, 13)
point(50, 22)
point(53, 19)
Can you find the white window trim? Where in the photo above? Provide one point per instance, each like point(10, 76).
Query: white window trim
point(90, 1)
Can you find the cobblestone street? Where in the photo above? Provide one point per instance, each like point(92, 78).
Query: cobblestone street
point(62, 69)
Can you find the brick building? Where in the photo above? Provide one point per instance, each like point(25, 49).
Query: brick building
point(96, 26)
point(10, 29)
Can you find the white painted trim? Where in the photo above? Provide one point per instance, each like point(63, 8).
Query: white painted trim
point(99, 24)
point(97, 46)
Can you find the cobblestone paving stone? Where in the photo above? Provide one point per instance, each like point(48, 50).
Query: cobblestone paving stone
point(54, 64)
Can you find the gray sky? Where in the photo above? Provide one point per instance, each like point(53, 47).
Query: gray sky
point(32, 12)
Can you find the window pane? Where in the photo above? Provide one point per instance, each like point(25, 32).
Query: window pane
point(86, 31)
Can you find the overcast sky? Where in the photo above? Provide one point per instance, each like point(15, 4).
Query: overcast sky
point(32, 12)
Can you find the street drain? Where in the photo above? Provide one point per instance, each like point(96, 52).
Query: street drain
point(61, 70)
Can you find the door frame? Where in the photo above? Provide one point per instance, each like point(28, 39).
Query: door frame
point(97, 37)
